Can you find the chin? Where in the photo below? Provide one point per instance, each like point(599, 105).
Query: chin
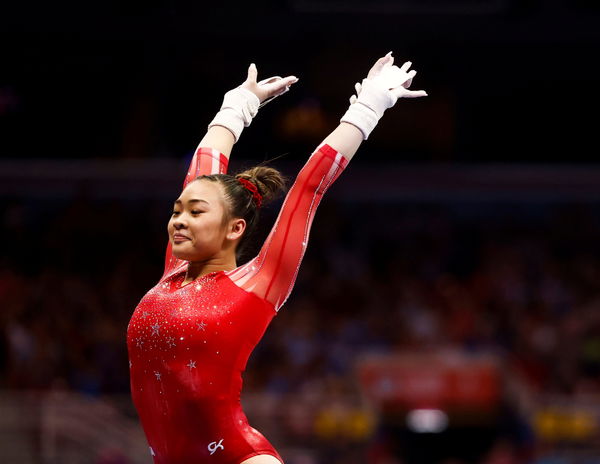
point(180, 254)
point(186, 256)
point(183, 256)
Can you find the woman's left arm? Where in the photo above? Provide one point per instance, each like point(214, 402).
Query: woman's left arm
point(272, 273)
point(380, 90)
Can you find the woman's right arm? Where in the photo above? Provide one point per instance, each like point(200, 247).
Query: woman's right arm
point(208, 159)
point(239, 106)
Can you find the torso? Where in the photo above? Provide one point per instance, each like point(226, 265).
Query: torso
point(188, 345)
point(189, 342)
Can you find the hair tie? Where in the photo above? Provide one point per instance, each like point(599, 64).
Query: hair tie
point(252, 188)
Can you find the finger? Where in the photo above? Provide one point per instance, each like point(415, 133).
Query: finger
point(389, 62)
point(376, 69)
point(352, 99)
point(283, 82)
point(287, 82)
point(274, 94)
point(385, 58)
point(291, 80)
point(411, 74)
point(412, 93)
point(357, 87)
point(379, 64)
point(252, 72)
point(281, 86)
point(405, 66)
point(269, 80)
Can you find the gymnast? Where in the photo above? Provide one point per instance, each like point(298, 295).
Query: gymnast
point(190, 336)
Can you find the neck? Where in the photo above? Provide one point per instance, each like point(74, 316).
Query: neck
point(200, 268)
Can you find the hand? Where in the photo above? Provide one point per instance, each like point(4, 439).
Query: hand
point(396, 79)
point(240, 105)
point(267, 89)
point(379, 91)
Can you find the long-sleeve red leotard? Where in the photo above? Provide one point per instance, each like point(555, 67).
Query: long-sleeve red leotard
point(189, 344)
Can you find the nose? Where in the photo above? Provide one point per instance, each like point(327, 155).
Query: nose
point(178, 223)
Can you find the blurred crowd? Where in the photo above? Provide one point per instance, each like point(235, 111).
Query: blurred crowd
point(519, 281)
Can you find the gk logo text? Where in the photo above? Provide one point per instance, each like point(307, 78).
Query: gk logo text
point(214, 446)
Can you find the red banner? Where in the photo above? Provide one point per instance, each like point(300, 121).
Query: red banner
point(439, 380)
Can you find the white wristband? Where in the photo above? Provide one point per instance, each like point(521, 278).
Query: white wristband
point(238, 108)
point(361, 116)
point(368, 108)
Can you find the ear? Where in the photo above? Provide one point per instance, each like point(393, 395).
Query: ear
point(236, 229)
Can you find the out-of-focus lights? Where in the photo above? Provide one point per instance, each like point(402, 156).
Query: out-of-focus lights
point(427, 420)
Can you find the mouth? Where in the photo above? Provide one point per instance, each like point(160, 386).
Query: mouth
point(179, 238)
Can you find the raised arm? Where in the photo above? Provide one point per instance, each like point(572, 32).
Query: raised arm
point(272, 273)
point(239, 106)
point(206, 160)
point(384, 84)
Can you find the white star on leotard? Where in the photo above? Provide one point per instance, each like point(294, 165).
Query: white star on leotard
point(170, 342)
point(155, 328)
point(201, 325)
point(145, 314)
point(139, 342)
point(158, 375)
point(191, 364)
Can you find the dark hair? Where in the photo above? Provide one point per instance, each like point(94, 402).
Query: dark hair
point(268, 181)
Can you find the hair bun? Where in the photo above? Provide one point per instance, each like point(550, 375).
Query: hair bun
point(269, 181)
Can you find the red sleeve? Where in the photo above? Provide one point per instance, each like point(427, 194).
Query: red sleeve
point(205, 161)
point(271, 275)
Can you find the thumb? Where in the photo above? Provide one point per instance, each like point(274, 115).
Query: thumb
point(252, 72)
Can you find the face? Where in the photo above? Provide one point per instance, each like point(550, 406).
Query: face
point(197, 229)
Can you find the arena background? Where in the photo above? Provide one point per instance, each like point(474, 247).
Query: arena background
point(448, 307)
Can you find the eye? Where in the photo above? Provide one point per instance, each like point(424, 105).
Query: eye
point(175, 212)
point(196, 212)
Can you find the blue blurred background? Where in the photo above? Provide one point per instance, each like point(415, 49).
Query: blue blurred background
point(448, 306)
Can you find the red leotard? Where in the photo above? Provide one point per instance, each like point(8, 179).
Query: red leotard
point(188, 345)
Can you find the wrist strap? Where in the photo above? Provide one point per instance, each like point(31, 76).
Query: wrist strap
point(361, 116)
point(373, 99)
point(238, 108)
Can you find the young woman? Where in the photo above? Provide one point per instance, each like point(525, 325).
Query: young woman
point(191, 335)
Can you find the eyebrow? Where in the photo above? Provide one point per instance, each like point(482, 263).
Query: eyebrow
point(193, 200)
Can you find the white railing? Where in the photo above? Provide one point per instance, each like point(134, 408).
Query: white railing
point(76, 429)
point(19, 424)
point(67, 428)
point(63, 427)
